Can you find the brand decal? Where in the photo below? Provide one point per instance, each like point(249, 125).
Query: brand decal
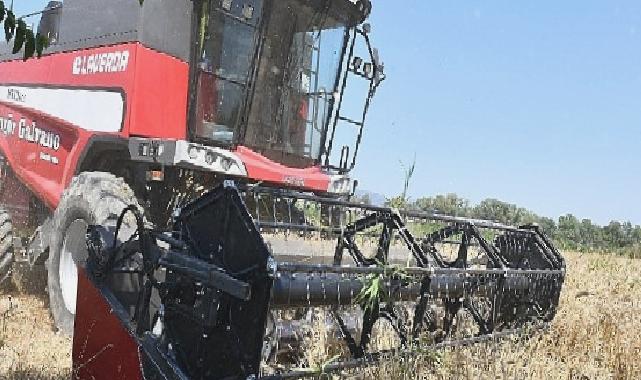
point(7, 125)
point(294, 181)
point(113, 62)
point(16, 95)
point(35, 135)
point(31, 133)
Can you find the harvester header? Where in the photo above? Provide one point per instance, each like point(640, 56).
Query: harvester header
point(217, 301)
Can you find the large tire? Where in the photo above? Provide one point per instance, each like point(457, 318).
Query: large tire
point(6, 246)
point(92, 198)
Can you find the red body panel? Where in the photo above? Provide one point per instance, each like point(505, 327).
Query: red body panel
point(154, 97)
point(121, 90)
point(43, 178)
point(266, 170)
point(159, 107)
point(102, 346)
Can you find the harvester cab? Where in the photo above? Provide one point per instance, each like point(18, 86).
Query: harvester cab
point(274, 90)
point(272, 75)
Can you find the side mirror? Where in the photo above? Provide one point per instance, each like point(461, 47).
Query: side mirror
point(379, 67)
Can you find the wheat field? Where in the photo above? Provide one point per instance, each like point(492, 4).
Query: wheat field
point(595, 335)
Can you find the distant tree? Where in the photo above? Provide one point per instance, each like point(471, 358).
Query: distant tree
point(586, 233)
point(627, 234)
point(493, 209)
point(636, 235)
point(449, 204)
point(548, 225)
point(569, 231)
point(613, 234)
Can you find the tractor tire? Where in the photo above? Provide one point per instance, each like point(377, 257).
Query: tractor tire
point(6, 246)
point(92, 198)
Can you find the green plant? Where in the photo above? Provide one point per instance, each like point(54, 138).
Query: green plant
point(374, 290)
point(401, 201)
point(431, 356)
point(409, 173)
point(23, 37)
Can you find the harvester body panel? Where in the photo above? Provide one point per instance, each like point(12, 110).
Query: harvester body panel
point(53, 106)
point(102, 341)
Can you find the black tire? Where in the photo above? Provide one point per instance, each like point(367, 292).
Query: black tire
point(6, 246)
point(91, 198)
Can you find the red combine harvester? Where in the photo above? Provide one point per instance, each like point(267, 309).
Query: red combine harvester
point(144, 105)
point(183, 170)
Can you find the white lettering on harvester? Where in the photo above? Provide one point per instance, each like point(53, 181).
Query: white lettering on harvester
point(29, 132)
point(15, 95)
point(113, 62)
point(35, 135)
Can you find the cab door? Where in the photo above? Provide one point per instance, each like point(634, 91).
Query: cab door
point(228, 37)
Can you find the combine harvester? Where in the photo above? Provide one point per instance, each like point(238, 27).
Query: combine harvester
point(183, 170)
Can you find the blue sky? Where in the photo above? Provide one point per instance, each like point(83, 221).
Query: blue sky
point(534, 103)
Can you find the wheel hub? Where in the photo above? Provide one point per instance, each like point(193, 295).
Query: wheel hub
point(72, 246)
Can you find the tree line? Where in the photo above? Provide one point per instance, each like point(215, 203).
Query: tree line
point(568, 231)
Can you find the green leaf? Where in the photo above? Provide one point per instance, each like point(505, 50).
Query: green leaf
point(29, 44)
point(42, 43)
point(9, 25)
point(2, 11)
point(21, 34)
point(371, 293)
point(141, 1)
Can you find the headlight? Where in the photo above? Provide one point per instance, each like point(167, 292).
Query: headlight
point(193, 152)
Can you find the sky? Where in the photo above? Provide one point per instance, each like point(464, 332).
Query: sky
point(534, 103)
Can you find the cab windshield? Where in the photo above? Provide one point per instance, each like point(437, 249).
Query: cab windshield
point(267, 74)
